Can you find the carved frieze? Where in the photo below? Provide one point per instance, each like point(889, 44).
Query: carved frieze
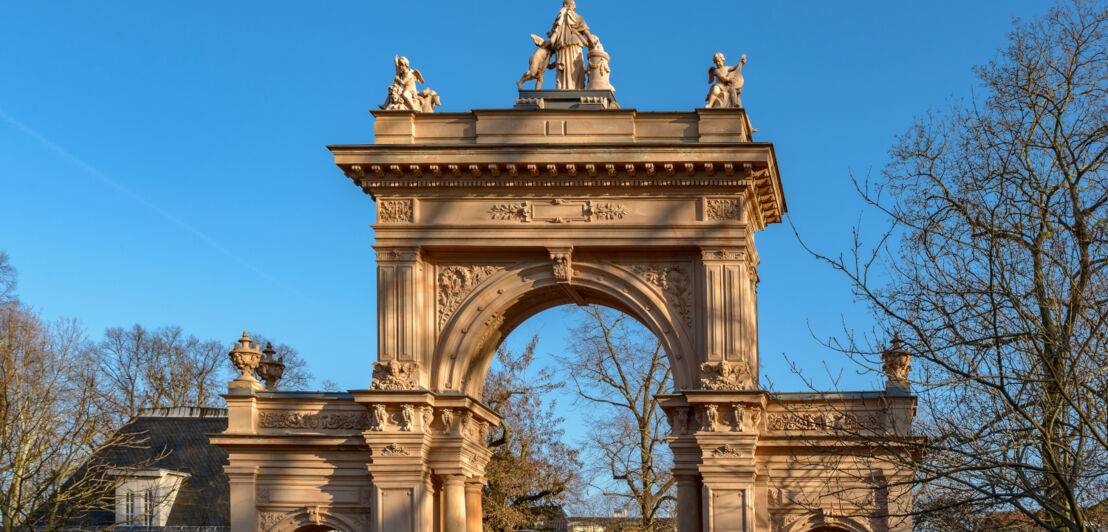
point(725, 375)
point(608, 211)
point(394, 211)
point(723, 209)
point(727, 451)
point(395, 375)
point(455, 283)
point(558, 211)
point(397, 255)
point(673, 281)
point(394, 449)
point(723, 254)
point(288, 419)
point(821, 421)
point(509, 211)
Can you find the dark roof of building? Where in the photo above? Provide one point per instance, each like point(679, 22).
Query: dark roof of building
point(180, 434)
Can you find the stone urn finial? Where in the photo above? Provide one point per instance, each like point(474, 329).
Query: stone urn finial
point(245, 356)
point(896, 364)
point(271, 368)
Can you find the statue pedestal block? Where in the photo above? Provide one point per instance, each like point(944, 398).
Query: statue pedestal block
point(566, 99)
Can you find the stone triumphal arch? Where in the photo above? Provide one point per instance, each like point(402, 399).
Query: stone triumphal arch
point(487, 217)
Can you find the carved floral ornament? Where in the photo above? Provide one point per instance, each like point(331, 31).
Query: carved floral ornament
point(394, 449)
point(558, 211)
point(314, 515)
point(723, 209)
point(394, 211)
point(673, 282)
point(455, 283)
point(287, 419)
point(822, 421)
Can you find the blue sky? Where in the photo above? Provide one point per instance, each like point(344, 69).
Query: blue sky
point(164, 162)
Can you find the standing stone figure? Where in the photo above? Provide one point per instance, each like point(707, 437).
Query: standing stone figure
point(403, 93)
point(568, 36)
point(727, 83)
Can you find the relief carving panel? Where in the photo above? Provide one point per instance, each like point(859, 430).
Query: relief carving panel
point(674, 283)
point(393, 211)
point(724, 209)
point(455, 283)
point(558, 211)
point(287, 419)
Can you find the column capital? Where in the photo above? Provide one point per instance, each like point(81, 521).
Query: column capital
point(454, 480)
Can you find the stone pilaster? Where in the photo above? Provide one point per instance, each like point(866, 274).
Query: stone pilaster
point(243, 496)
point(729, 292)
point(714, 436)
point(402, 312)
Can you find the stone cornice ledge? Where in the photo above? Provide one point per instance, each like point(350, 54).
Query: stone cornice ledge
point(380, 168)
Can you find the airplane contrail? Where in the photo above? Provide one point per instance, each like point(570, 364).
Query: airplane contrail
point(118, 187)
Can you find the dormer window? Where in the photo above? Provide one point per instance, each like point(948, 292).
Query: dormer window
point(145, 497)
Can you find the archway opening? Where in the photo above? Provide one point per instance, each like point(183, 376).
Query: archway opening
point(575, 385)
point(468, 340)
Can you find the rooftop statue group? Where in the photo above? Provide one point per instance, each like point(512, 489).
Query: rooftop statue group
point(565, 41)
point(563, 51)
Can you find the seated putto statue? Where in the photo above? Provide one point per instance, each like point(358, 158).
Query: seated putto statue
point(565, 41)
point(403, 94)
point(727, 83)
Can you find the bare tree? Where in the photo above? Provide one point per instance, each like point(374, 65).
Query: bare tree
point(145, 368)
point(51, 424)
point(993, 274)
point(618, 366)
point(532, 471)
point(7, 278)
point(296, 375)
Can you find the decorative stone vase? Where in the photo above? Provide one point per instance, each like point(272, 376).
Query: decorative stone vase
point(246, 357)
point(271, 368)
point(897, 363)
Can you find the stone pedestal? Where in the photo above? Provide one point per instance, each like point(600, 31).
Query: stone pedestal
point(418, 440)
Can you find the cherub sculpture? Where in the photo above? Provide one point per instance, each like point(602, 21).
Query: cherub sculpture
point(539, 64)
point(727, 83)
point(403, 93)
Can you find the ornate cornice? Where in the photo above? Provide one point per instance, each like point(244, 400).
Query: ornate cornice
point(409, 169)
